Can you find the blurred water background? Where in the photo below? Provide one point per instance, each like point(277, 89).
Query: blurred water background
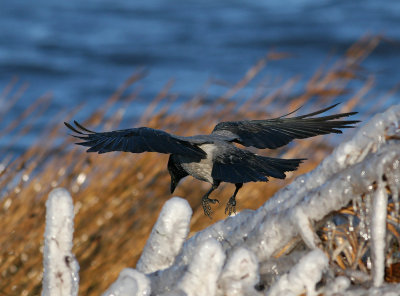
point(81, 51)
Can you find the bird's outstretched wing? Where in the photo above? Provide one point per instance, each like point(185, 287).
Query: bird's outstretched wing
point(135, 140)
point(277, 132)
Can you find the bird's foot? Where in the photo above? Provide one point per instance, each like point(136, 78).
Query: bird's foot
point(206, 205)
point(231, 206)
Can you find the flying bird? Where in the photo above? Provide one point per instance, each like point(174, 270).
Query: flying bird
point(215, 158)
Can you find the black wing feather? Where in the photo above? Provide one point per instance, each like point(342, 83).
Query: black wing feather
point(277, 132)
point(135, 140)
point(241, 166)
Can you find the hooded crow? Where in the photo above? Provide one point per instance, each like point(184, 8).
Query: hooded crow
point(215, 158)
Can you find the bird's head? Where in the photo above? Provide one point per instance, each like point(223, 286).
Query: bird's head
point(176, 172)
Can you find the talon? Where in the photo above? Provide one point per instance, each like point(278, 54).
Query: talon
point(207, 211)
point(230, 209)
point(205, 201)
point(231, 206)
point(208, 214)
point(206, 205)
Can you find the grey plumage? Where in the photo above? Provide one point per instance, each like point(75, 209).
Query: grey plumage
point(214, 158)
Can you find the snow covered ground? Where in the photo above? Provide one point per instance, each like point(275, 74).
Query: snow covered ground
point(275, 250)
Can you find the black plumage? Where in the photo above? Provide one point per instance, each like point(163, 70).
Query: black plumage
point(214, 158)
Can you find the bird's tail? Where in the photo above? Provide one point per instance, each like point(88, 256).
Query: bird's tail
point(244, 166)
point(276, 167)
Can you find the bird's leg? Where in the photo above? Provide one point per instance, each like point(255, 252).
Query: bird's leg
point(205, 201)
point(231, 205)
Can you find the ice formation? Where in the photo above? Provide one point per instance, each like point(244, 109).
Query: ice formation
point(130, 282)
point(303, 276)
point(378, 235)
point(167, 237)
point(257, 252)
point(60, 276)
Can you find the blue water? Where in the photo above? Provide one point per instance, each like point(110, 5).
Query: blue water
point(82, 50)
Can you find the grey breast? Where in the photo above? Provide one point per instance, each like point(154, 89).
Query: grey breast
point(200, 168)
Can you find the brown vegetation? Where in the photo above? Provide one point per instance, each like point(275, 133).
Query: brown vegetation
point(118, 196)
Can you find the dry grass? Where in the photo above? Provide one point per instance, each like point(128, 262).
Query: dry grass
point(348, 243)
point(118, 196)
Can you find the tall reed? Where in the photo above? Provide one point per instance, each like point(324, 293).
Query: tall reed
point(118, 196)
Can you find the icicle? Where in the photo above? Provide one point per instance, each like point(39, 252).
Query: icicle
point(331, 228)
point(394, 183)
point(378, 234)
point(305, 228)
point(350, 218)
point(363, 228)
